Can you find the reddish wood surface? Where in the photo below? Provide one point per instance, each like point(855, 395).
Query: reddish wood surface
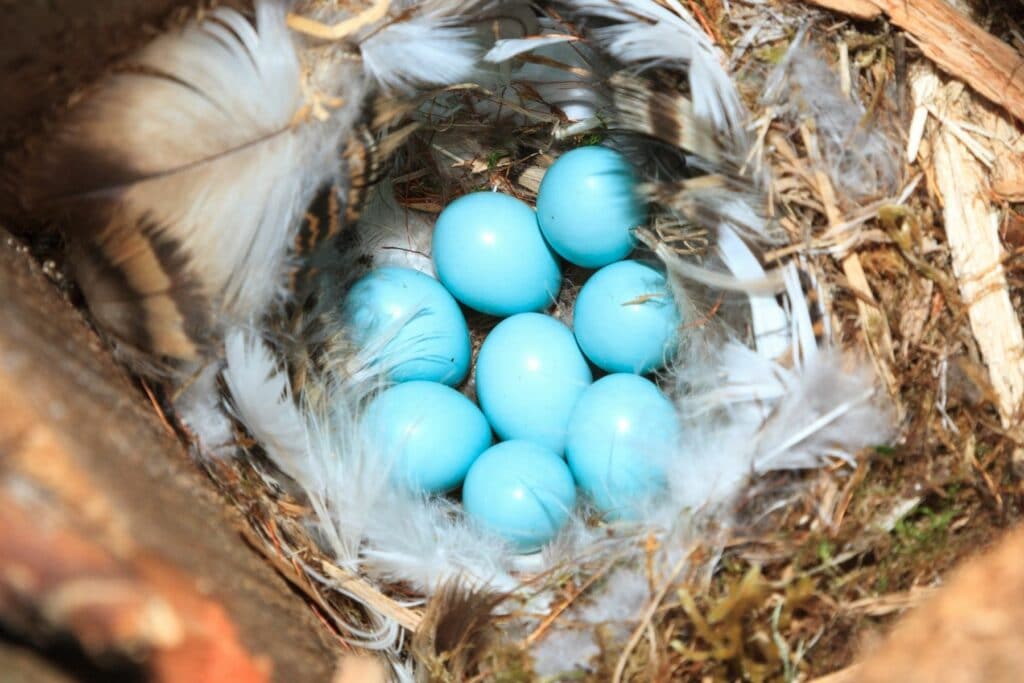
point(108, 534)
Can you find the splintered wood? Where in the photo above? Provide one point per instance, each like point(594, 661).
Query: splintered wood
point(972, 230)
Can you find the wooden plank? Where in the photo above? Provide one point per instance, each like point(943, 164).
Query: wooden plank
point(83, 446)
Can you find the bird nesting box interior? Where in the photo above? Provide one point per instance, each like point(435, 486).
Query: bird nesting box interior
point(522, 333)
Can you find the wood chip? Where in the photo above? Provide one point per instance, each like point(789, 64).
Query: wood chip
point(972, 230)
point(858, 9)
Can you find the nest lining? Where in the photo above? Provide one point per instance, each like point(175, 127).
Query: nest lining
point(596, 558)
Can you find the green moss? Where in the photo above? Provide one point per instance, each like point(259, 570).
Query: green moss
point(924, 528)
point(494, 157)
point(826, 550)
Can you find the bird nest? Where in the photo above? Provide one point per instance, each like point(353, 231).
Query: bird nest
point(808, 559)
point(858, 157)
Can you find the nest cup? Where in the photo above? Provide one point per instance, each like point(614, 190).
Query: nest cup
point(759, 379)
point(755, 389)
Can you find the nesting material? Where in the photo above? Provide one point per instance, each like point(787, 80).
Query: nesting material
point(954, 42)
point(753, 392)
point(753, 218)
point(972, 226)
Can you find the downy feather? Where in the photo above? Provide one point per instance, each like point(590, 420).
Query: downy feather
point(185, 171)
point(366, 521)
point(426, 43)
point(647, 33)
point(860, 156)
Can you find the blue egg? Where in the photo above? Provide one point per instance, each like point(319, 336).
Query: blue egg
point(587, 206)
point(625, 318)
point(488, 251)
point(410, 324)
point(621, 435)
point(521, 491)
point(431, 431)
point(529, 374)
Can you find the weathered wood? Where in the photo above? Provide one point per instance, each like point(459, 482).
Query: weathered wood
point(84, 458)
point(21, 664)
point(971, 220)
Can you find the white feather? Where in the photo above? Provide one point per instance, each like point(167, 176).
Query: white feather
point(261, 398)
point(394, 236)
point(828, 411)
point(802, 335)
point(426, 542)
point(341, 491)
point(368, 523)
point(564, 650)
point(572, 641)
point(770, 282)
point(200, 406)
point(768, 319)
point(861, 157)
point(510, 47)
point(746, 415)
point(434, 46)
point(649, 33)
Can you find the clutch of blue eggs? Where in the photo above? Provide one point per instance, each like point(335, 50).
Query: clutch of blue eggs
point(543, 432)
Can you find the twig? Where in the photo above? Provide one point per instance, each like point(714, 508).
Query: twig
point(704, 23)
point(648, 614)
point(557, 612)
point(343, 29)
point(156, 406)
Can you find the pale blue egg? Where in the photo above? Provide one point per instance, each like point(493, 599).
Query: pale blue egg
point(409, 324)
point(521, 491)
point(529, 374)
point(625, 318)
point(587, 206)
point(621, 436)
point(488, 251)
point(431, 433)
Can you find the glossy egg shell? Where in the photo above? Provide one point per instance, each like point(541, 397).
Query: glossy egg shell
point(625, 318)
point(529, 375)
point(410, 324)
point(430, 433)
point(622, 433)
point(521, 491)
point(489, 252)
point(587, 206)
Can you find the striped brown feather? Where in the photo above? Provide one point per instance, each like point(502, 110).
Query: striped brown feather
point(137, 282)
point(662, 114)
